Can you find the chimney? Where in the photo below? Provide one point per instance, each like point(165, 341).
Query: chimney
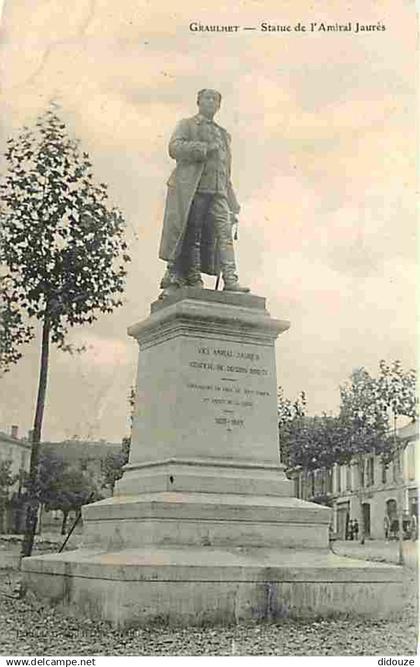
point(14, 431)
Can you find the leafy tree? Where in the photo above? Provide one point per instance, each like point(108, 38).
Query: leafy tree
point(361, 428)
point(69, 491)
point(398, 396)
point(63, 250)
point(37, 492)
point(60, 486)
point(291, 422)
point(13, 331)
point(7, 479)
point(50, 473)
point(397, 391)
point(366, 427)
point(308, 442)
point(112, 467)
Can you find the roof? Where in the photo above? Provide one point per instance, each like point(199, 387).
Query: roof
point(79, 449)
point(409, 431)
point(14, 441)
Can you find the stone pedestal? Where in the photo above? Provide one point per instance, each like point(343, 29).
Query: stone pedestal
point(206, 408)
point(203, 526)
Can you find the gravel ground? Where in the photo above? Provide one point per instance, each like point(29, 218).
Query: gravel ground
point(380, 551)
point(30, 628)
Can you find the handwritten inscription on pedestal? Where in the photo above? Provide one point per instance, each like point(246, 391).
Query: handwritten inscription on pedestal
point(232, 385)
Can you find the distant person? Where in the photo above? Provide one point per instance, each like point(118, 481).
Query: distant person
point(386, 526)
point(406, 525)
point(355, 529)
point(413, 527)
point(347, 532)
point(394, 528)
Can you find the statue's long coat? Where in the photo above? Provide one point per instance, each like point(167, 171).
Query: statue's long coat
point(188, 146)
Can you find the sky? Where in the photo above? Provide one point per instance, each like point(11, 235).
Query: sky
point(323, 129)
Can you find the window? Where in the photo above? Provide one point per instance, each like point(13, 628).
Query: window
point(318, 482)
point(323, 478)
point(411, 462)
point(361, 469)
point(391, 508)
point(296, 481)
point(370, 471)
point(384, 473)
point(413, 502)
point(338, 478)
point(348, 477)
point(329, 480)
point(396, 467)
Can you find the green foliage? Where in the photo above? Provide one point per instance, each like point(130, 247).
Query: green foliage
point(361, 427)
point(7, 478)
point(363, 415)
point(308, 442)
point(291, 421)
point(368, 405)
point(61, 244)
point(62, 253)
point(397, 390)
point(13, 331)
point(64, 487)
point(112, 466)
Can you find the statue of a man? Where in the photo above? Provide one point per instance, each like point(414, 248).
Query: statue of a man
point(201, 206)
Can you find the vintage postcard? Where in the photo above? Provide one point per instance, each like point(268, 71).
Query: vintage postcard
point(208, 326)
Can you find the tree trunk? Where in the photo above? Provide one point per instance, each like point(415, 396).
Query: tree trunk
point(39, 520)
point(32, 511)
point(64, 523)
point(400, 459)
point(362, 522)
point(362, 527)
point(2, 513)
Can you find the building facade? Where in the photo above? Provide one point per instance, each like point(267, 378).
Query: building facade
point(18, 452)
point(15, 450)
point(86, 456)
point(380, 496)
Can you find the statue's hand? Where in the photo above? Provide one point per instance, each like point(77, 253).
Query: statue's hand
point(234, 222)
point(212, 147)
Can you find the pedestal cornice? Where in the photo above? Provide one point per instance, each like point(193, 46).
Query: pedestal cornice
point(200, 312)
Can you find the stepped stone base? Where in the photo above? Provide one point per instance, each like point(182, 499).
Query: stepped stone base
point(206, 519)
point(201, 475)
point(194, 558)
point(202, 527)
point(209, 585)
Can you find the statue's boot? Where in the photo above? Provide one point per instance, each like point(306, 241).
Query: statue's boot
point(193, 276)
point(235, 287)
point(171, 281)
point(229, 273)
point(168, 278)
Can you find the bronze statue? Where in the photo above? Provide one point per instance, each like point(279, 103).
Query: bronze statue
point(201, 206)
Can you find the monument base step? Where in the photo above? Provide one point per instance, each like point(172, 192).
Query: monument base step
point(201, 476)
point(204, 519)
point(206, 585)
